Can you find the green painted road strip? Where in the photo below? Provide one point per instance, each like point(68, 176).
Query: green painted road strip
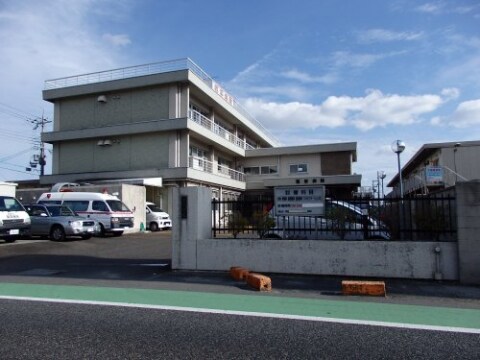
point(440, 318)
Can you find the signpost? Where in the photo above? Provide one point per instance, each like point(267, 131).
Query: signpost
point(434, 175)
point(300, 200)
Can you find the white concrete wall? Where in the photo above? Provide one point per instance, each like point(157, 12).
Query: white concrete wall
point(186, 231)
point(193, 249)
point(8, 189)
point(414, 260)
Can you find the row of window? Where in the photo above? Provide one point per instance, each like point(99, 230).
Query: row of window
point(273, 169)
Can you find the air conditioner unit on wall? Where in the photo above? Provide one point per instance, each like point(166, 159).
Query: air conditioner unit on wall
point(102, 99)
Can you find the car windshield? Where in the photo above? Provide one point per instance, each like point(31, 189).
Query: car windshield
point(155, 208)
point(60, 211)
point(10, 204)
point(117, 205)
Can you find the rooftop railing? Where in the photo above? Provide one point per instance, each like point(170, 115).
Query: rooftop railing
point(157, 68)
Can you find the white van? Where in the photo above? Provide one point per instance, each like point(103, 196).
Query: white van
point(14, 220)
point(157, 219)
point(112, 214)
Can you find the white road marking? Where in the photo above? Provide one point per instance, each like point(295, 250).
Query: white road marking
point(253, 314)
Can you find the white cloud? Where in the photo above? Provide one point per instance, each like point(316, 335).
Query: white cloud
point(303, 77)
point(431, 8)
point(117, 40)
point(450, 93)
point(43, 40)
point(467, 114)
point(382, 35)
point(346, 58)
point(365, 113)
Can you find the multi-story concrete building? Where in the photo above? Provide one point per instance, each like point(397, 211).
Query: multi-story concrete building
point(167, 124)
point(438, 166)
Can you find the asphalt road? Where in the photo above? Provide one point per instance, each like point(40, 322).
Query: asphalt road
point(33, 330)
point(109, 298)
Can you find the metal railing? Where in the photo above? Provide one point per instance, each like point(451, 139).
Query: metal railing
point(201, 164)
point(202, 120)
point(430, 218)
point(157, 68)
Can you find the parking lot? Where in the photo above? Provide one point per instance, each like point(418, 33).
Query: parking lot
point(129, 257)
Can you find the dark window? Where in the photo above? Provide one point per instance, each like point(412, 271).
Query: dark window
point(77, 205)
point(99, 206)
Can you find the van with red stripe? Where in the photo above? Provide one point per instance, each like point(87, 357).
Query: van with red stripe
point(112, 214)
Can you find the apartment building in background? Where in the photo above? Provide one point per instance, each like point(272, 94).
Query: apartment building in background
point(170, 124)
point(437, 166)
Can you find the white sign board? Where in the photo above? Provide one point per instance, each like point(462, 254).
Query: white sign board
point(300, 200)
point(434, 175)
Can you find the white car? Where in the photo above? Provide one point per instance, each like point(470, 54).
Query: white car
point(157, 219)
point(343, 221)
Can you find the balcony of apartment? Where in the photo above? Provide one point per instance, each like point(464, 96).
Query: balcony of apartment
point(214, 168)
point(216, 129)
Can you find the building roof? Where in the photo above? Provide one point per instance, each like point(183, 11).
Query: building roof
point(304, 149)
point(424, 152)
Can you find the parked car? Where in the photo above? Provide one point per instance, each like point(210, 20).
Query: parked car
point(342, 220)
point(14, 220)
point(157, 219)
point(59, 222)
point(112, 214)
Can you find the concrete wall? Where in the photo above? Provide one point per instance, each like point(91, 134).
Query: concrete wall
point(193, 224)
point(132, 152)
point(413, 260)
point(121, 107)
point(134, 197)
point(194, 249)
point(468, 231)
point(7, 189)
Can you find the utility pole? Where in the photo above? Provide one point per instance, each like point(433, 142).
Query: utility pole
point(40, 123)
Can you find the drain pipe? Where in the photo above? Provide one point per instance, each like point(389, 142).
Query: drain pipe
point(438, 272)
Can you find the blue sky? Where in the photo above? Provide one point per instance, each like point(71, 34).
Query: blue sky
point(310, 71)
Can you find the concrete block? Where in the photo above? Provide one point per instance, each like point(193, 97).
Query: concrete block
point(374, 288)
point(239, 273)
point(259, 282)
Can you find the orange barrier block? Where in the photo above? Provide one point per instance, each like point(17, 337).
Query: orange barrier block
point(259, 282)
point(374, 288)
point(238, 272)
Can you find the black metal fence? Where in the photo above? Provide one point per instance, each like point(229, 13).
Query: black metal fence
point(431, 218)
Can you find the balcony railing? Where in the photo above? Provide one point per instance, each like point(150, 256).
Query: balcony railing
point(217, 129)
point(201, 164)
point(157, 68)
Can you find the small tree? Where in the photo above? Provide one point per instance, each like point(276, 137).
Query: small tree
point(263, 223)
point(237, 223)
point(340, 219)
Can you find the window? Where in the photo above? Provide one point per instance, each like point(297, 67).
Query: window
point(99, 206)
point(261, 170)
point(252, 170)
point(266, 170)
point(77, 205)
point(298, 168)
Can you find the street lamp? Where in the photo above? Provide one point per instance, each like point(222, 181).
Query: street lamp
point(381, 175)
point(397, 147)
point(455, 148)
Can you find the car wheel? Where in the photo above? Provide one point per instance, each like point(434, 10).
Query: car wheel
point(86, 237)
point(57, 233)
point(117, 233)
point(153, 226)
point(10, 240)
point(102, 231)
